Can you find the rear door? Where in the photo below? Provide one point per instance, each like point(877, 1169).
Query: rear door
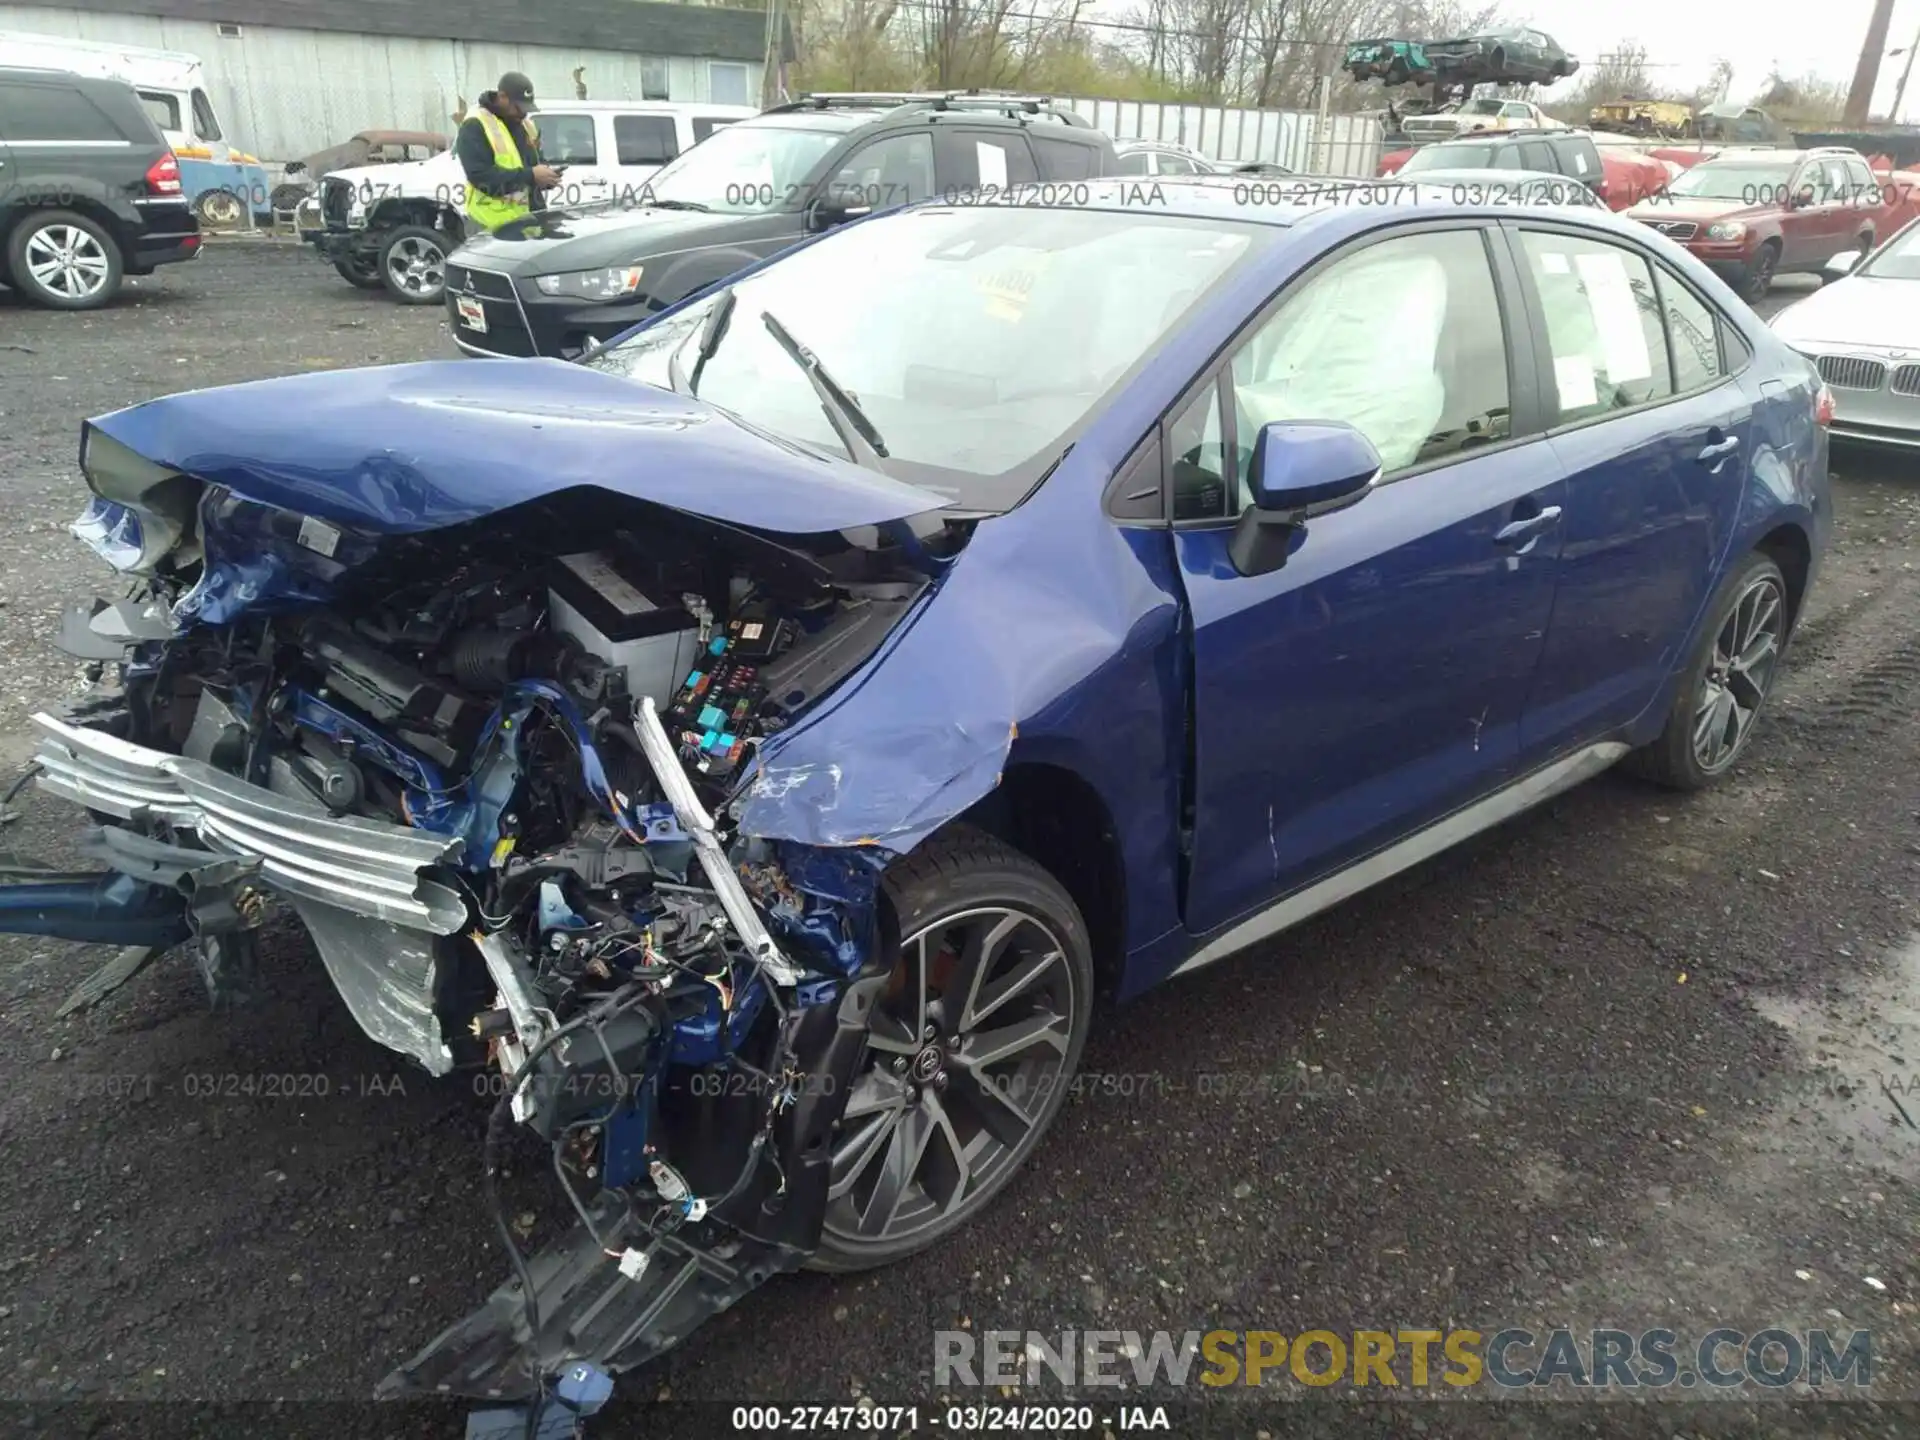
point(983, 159)
point(1653, 435)
point(1375, 681)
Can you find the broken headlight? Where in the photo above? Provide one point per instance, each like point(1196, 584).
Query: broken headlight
point(144, 512)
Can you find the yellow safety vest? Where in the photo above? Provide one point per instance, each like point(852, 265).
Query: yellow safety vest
point(492, 211)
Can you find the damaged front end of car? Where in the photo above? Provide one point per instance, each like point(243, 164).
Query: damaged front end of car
point(485, 718)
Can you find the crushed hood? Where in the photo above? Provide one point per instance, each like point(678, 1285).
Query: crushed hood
point(406, 448)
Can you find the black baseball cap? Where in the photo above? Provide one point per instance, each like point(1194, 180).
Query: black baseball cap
point(517, 88)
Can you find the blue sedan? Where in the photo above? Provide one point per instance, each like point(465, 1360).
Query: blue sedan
point(761, 742)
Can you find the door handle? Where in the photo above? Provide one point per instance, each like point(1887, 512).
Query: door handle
point(1527, 529)
point(1719, 448)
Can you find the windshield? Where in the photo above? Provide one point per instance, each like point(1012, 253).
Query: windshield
point(1481, 107)
point(1462, 157)
point(976, 340)
point(743, 169)
point(1723, 180)
point(1898, 259)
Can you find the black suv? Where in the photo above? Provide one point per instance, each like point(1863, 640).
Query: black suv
point(89, 191)
point(556, 282)
point(1551, 152)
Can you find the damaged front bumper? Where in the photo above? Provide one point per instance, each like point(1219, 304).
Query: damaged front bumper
point(196, 848)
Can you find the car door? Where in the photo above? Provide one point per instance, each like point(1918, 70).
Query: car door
point(979, 158)
point(896, 169)
point(1374, 681)
point(1653, 435)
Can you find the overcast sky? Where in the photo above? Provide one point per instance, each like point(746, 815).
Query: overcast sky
point(1683, 38)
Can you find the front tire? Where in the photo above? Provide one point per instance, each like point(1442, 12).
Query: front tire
point(1726, 685)
point(413, 265)
point(63, 261)
point(972, 1044)
point(1759, 278)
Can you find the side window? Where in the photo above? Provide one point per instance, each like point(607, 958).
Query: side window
point(566, 139)
point(1536, 155)
point(1175, 164)
point(204, 125)
point(992, 161)
point(1604, 332)
point(705, 125)
point(1579, 159)
point(726, 83)
point(1838, 189)
point(893, 170)
point(1504, 157)
point(1807, 183)
point(1515, 111)
point(644, 139)
point(1062, 159)
point(162, 109)
point(1133, 164)
point(654, 84)
point(1693, 333)
point(52, 112)
point(1401, 340)
point(1196, 459)
point(1861, 185)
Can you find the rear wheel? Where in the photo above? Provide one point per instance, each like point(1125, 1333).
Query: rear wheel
point(1720, 698)
point(972, 1043)
point(63, 260)
point(413, 265)
point(363, 273)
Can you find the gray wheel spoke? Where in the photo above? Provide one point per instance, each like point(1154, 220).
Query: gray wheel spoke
point(900, 1033)
point(946, 1170)
point(994, 1101)
point(982, 946)
point(1018, 979)
point(896, 1170)
point(983, 1048)
point(873, 1093)
point(856, 1152)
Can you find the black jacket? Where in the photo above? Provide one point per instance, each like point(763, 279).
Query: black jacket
point(476, 156)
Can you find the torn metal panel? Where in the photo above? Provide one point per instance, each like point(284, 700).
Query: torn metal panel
point(388, 976)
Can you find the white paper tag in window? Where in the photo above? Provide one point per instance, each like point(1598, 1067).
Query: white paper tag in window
point(1553, 262)
point(993, 165)
point(1616, 317)
point(1573, 378)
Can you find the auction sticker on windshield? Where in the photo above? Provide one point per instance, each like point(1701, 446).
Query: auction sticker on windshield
point(473, 314)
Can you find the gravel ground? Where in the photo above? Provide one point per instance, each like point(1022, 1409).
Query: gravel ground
point(1632, 1060)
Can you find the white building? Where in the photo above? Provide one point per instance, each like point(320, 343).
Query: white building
point(293, 76)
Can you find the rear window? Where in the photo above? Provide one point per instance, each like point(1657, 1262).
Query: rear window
point(645, 139)
point(1578, 157)
point(1062, 159)
point(1464, 156)
point(52, 112)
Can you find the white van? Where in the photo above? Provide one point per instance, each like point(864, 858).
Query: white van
point(171, 84)
point(392, 226)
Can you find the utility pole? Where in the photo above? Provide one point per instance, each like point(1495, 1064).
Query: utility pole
point(1867, 72)
point(1900, 90)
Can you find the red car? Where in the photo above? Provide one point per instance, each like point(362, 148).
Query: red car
point(1754, 214)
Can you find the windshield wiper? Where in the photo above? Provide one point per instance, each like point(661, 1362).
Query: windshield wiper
point(679, 205)
point(849, 422)
point(712, 331)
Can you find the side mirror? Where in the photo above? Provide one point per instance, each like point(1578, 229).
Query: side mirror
point(829, 211)
point(1843, 263)
point(1301, 469)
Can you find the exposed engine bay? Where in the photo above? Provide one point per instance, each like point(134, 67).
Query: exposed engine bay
point(490, 766)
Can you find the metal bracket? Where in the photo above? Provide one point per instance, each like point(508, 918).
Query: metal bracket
point(706, 844)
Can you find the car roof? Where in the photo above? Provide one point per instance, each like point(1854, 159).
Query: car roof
point(1467, 176)
point(1771, 154)
point(638, 107)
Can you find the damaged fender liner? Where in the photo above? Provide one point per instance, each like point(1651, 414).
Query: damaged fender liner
point(590, 1310)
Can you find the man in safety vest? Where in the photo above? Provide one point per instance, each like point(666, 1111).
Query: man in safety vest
point(499, 148)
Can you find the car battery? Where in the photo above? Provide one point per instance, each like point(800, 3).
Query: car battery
point(600, 600)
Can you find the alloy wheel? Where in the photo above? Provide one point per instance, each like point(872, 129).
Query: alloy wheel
point(67, 261)
point(417, 265)
point(966, 1059)
point(1739, 673)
